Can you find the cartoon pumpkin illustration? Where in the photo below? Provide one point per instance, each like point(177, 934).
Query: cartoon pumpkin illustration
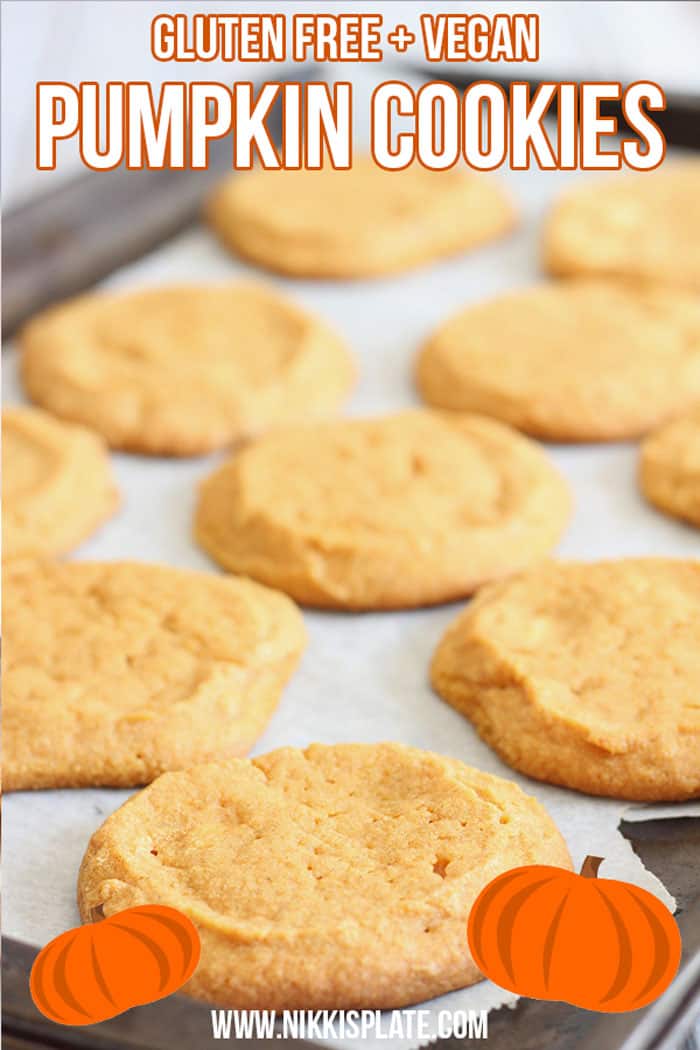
point(549, 933)
point(93, 972)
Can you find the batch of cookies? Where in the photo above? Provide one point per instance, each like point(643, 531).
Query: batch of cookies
point(341, 876)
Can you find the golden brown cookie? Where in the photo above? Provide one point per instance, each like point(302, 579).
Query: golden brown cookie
point(331, 878)
point(643, 226)
point(403, 510)
point(57, 486)
point(183, 370)
point(116, 671)
point(580, 360)
point(669, 467)
point(357, 223)
point(586, 676)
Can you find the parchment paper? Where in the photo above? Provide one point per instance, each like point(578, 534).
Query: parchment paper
point(363, 677)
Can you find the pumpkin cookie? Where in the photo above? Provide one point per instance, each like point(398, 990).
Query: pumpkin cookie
point(356, 223)
point(580, 360)
point(643, 226)
point(117, 671)
point(669, 468)
point(182, 371)
point(57, 486)
point(586, 676)
point(405, 510)
point(331, 878)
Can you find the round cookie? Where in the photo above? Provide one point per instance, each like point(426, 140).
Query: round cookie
point(403, 510)
point(331, 878)
point(183, 370)
point(117, 671)
point(585, 675)
point(357, 223)
point(579, 360)
point(57, 485)
point(669, 468)
point(643, 226)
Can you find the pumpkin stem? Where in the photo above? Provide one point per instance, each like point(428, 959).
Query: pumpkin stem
point(589, 868)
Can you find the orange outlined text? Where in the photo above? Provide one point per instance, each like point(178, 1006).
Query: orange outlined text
point(489, 124)
point(434, 125)
point(477, 38)
point(121, 123)
point(557, 127)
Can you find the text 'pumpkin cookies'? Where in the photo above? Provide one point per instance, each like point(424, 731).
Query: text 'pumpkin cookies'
point(586, 676)
point(669, 467)
point(331, 878)
point(410, 509)
point(644, 226)
point(361, 222)
point(117, 671)
point(580, 360)
point(57, 485)
point(183, 370)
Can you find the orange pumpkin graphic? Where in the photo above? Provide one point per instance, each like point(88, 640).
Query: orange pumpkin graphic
point(93, 972)
point(548, 933)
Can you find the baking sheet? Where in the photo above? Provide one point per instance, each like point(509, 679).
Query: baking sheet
point(363, 677)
